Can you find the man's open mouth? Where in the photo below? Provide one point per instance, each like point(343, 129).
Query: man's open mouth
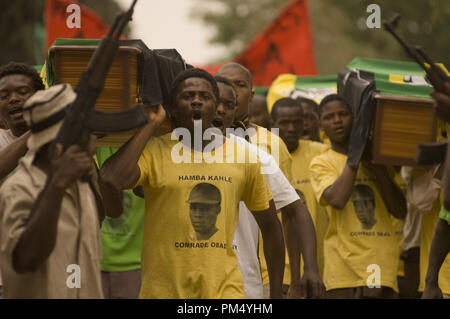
point(16, 114)
point(217, 122)
point(196, 115)
point(17, 109)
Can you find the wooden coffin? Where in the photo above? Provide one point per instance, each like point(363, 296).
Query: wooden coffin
point(401, 123)
point(122, 86)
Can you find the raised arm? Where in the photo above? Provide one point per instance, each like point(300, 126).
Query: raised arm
point(121, 171)
point(440, 247)
point(273, 245)
point(338, 194)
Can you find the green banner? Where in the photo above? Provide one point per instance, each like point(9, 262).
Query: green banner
point(395, 77)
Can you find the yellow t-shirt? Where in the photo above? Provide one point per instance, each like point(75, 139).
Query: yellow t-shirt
point(174, 263)
point(274, 145)
point(429, 221)
point(398, 226)
point(357, 241)
point(398, 229)
point(301, 158)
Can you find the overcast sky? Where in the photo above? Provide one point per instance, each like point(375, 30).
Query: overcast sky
point(164, 24)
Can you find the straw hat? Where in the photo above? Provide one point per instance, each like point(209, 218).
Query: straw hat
point(44, 113)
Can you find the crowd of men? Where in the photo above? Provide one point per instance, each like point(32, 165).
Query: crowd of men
point(241, 212)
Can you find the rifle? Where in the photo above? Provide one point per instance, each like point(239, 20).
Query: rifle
point(427, 154)
point(435, 74)
point(81, 119)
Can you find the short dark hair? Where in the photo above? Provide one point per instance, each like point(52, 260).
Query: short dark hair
point(364, 191)
point(25, 69)
point(191, 73)
point(311, 102)
point(240, 66)
point(330, 98)
point(285, 102)
point(221, 79)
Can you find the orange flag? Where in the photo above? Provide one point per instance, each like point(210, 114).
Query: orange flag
point(285, 46)
point(58, 22)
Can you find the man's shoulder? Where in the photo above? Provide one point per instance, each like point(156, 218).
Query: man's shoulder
point(5, 132)
point(327, 156)
point(160, 142)
point(272, 135)
point(270, 140)
point(312, 148)
point(19, 182)
point(318, 147)
point(6, 138)
point(241, 146)
point(240, 142)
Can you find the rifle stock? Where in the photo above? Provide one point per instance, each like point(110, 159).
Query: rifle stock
point(427, 154)
point(435, 74)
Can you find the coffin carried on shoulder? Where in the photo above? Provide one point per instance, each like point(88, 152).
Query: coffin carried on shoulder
point(135, 77)
point(401, 124)
point(400, 115)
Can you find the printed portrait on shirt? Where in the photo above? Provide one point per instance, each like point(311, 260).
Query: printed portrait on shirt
point(301, 195)
point(364, 203)
point(204, 207)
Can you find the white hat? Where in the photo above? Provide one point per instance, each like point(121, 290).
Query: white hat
point(44, 113)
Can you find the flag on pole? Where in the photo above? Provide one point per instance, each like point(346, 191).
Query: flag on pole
point(285, 46)
point(294, 86)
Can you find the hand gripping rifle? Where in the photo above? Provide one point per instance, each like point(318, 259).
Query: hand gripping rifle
point(427, 154)
point(81, 118)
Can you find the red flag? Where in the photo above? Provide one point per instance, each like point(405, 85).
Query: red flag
point(57, 21)
point(285, 46)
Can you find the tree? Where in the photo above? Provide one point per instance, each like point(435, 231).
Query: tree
point(107, 10)
point(17, 26)
point(20, 20)
point(236, 22)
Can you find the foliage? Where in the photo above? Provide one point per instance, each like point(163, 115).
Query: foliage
point(338, 27)
point(20, 19)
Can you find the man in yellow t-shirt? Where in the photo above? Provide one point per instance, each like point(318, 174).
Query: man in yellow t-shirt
point(293, 216)
point(440, 245)
point(287, 115)
point(311, 124)
point(258, 113)
point(173, 174)
point(360, 249)
point(241, 78)
point(431, 222)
